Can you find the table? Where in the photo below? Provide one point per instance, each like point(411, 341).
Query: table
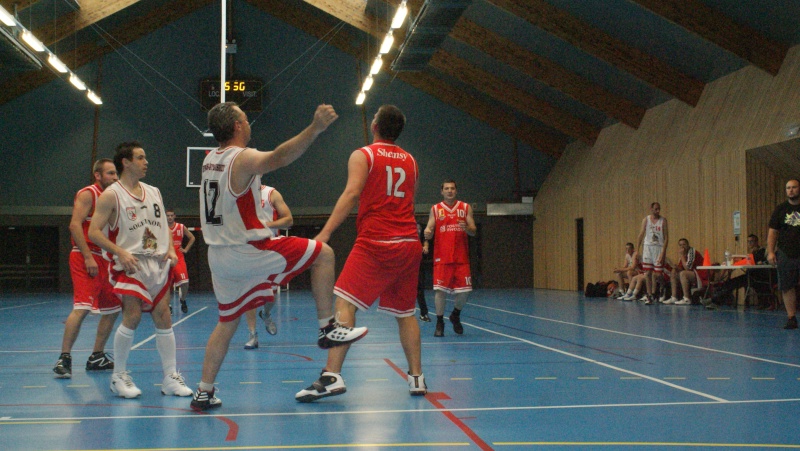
point(746, 272)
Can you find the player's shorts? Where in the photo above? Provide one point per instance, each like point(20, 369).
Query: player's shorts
point(243, 275)
point(381, 269)
point(150, 283)
point(180, 275)
point(452, 278)
point(92, 293)
point(650, 258)
point(788, 271)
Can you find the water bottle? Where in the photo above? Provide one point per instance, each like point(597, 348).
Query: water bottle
point(728, 257)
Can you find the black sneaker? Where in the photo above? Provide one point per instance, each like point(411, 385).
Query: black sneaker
point(791, 323)
point(99, 361)
point(204, 400)
point(455, 318)
point(334, 334)
point(63, 368)
point(439, 332)
point(328, 384)
point(184, 307)
point(425, 318)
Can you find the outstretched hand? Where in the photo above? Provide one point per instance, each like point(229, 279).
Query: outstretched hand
point(323, 117)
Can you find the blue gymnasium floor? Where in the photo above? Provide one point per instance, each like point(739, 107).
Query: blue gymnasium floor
point(534, 369)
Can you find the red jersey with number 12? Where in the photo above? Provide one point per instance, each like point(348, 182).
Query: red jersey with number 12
point(386, 205)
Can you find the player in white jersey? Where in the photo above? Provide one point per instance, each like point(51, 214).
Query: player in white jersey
point(245, 257)
point(281, 219)
point(130, 224)
point(653, 240)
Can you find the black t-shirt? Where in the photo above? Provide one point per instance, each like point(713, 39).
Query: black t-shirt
point(786, 220)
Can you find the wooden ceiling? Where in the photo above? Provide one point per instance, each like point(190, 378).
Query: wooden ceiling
point(544, 72)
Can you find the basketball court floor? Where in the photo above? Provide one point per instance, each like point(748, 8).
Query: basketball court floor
point(534, 369)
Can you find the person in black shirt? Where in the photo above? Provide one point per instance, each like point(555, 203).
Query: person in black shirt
point(784, 232)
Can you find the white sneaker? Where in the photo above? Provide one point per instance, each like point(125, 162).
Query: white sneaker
point(671, 300)
point(629, 297)
point(253, 342)
point(334, 334)
point(328, 384)
point(122, 385)
point(662, 299)
point(269, 324)
point(684, 301)
point(644, 298)
point(416, 385)
point(174, 385)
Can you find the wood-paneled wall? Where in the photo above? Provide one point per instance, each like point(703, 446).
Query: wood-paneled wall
point(693, 160)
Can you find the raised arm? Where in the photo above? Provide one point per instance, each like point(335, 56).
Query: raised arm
point(357, 172)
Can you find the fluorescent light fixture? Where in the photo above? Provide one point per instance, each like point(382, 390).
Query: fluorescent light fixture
point(376, 66)
point(387, 43)
point(57, 64)
point(94, 97)
point(32, 42)
point(7, 18)
point(367, 84)
point(361, 97)
point(77, 82)
point(399, 16)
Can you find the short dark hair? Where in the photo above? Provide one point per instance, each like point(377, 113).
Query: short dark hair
point(684, 239)
point(753, 236)
point(654, 204)
point(629, 244)
point(446, 181)
point(390, 122)
point(124, 150)
point(98, 165)
point(222, 119)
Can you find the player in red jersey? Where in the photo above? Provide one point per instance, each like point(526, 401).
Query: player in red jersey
point(384, 262)
point(451, 221)
point(92, 291)
point(180, 275)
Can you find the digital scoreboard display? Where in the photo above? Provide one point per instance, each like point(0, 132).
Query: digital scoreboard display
point(249, 94)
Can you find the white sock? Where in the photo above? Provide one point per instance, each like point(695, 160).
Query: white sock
point(123, 341)
point(324, 321)
point(165, 343)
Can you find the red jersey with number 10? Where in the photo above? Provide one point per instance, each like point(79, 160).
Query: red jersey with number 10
point(386, 204)
point(450, 244)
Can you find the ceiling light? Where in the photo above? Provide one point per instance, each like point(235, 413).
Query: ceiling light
point(32, 42)
point(367, 84)
point(7, 18)
point(400, 16)
point(94, 97)
point(376, 66)
point(57, 64)
point(361, 97)
point(77, 82)
point(387, 43)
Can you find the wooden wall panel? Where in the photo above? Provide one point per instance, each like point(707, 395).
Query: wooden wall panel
point(693, 160)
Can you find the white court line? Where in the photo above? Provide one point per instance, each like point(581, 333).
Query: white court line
point(793, 365)
point(596, 362)
point(26, 305)
point(194, 415)
point(137, 345)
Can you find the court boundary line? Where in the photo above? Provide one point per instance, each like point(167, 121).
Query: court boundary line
point(646, 337)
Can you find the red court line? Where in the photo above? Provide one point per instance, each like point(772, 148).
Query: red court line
point(434, 398)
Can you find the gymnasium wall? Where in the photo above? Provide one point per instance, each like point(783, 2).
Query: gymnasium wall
point(693, 160)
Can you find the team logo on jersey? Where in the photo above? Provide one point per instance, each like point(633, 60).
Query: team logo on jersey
point(442, 228)
point(130, 212)
point(793, 219)
point(441, 213)
point(149, 240)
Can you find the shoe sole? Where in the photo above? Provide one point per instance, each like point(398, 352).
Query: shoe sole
point(204, 408)
point(176, 394)
point(251, 347)
point(123, 396)
point(328, 343)
point(418, 393)
point(63, 376)
point(309, 397)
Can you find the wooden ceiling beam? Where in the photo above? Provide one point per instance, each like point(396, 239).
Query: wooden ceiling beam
point(20, 4)
point(91, 12)
point(129, 32)
point(514, 96)
point(539, 138)
point(597, 42)
point(548, 72)
point(741, 40)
